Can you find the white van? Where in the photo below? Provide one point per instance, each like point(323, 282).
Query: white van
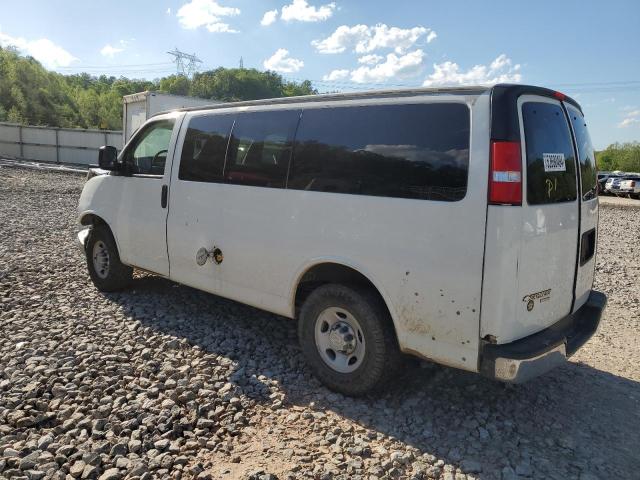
point(456, 225)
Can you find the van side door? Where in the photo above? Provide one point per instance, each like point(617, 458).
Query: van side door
point(197, 199)
point(588, 206)
point(140, 224)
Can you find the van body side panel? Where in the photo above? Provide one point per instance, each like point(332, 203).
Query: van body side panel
point(131, 207)
point(500, 286)
point(424, 256)
point(586, 272)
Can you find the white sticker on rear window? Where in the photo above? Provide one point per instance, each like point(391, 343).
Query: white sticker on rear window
point(554, 162)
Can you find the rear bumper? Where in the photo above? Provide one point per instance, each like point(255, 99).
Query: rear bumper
point(529, 357)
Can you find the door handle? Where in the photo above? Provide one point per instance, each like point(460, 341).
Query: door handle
point(163, 196)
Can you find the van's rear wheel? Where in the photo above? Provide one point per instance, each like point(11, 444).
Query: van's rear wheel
point(106, 270)
point(347, 337)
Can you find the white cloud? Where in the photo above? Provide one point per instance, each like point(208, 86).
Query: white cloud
point(370, 59)
point(208, 14)
point(336, 75)
point(627, 122)
point(366, 39)
point(109, 51)
point(301, 11)
point(499, 71)
point(632, 117)
point(43, 50)
point(282, 62)
point(342, 38)
point(269, 17)
point(393, 67)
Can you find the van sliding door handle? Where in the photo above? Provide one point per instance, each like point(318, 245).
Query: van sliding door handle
point(163, 196)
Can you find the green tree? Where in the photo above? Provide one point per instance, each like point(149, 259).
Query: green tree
point(175, 84)
point(620, 156)
point(32, 95)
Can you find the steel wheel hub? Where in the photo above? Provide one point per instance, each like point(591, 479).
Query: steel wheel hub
point(342, 338)
point(339, 340)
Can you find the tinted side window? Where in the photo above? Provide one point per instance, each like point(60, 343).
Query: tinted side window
point(148, 152)
point(204, 149)
point(407, 151)
point(260, 148)
point(586, 155)
point(551, 167)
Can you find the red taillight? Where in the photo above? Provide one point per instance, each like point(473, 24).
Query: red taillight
point(559, 96)
point(505, 174)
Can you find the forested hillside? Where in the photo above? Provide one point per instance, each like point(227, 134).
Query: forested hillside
point(620, 156)
point(30, 94)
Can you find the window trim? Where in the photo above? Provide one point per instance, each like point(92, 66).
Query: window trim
point(523, 149)
point(183, 137)
point(405, 101)
point(594, 189)
point(289, 159)
point(132, 144)
point(467, 100)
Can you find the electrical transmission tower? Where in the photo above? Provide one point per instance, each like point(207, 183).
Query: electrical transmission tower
point(241, 64)
point(186, 64)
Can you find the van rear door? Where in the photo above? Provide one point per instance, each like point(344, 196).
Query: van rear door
point(585, 269)
point(550, 215)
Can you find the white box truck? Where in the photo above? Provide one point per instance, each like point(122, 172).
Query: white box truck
point(138, 107)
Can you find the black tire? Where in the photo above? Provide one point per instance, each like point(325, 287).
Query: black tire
point(118, 275)
point(382, 357)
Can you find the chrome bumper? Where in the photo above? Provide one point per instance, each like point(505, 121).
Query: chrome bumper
point(529, 357)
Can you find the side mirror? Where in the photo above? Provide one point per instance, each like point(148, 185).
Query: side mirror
point(108, 158)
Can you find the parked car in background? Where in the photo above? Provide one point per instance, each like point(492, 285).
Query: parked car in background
point(629, 186)
point(457, 225)
point(602, 180)
point(612, 184)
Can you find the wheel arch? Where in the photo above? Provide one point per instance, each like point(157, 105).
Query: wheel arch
point(91, 219)
point(323, 271)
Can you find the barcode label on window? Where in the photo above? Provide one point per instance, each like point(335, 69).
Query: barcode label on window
point(554, 162)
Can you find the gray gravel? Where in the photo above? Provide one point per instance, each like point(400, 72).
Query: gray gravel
point(164, 381)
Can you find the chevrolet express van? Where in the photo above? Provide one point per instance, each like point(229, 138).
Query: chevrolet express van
point(457, 225)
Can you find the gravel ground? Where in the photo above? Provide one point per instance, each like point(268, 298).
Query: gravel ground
point(619, 201)
point(164, 381)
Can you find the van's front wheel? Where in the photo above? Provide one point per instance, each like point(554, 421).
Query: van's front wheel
point(106, 270)
point(347, 337)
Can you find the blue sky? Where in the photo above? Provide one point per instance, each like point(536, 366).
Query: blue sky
point(589, 50)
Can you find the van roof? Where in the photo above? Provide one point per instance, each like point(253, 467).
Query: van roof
point(506, 90)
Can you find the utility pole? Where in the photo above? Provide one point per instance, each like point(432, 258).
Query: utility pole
point(186, 64)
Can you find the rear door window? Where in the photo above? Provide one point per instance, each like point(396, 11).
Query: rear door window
point(260, 148)
point(551, 165)
point(418, 151)
point(205, 146)
point(586, 154)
